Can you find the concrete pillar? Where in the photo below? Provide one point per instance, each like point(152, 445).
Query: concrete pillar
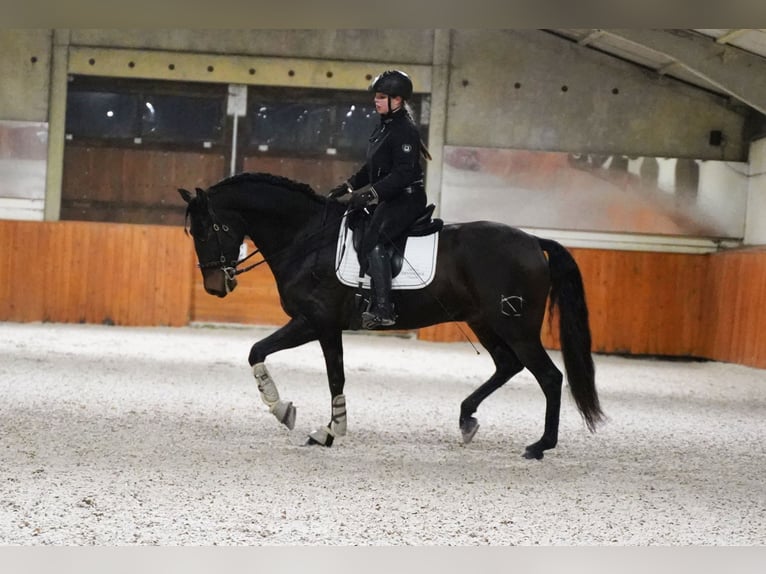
point(56, 124)
point(755, 224)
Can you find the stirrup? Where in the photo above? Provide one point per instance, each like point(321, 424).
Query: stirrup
point(370, 320)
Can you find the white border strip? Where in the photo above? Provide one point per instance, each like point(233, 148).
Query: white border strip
point(635, 242)
point(21, 209)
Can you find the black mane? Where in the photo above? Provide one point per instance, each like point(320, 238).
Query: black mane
point(267, 178)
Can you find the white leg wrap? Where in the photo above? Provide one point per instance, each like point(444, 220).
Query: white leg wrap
point(269, 392)
point(284, 411)
point(339, 419)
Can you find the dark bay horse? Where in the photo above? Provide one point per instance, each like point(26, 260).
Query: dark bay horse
point(495, 278)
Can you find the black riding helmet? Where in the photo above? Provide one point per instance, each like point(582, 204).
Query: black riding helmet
point(393, 83)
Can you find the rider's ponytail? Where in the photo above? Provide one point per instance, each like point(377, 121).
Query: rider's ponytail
point(424, 153)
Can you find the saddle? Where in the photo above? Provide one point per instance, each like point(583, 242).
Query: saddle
point(418, 247)
point(421, 227)
point(413, 255)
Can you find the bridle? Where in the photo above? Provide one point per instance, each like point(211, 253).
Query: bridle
point(230, 270)
point(230, 267)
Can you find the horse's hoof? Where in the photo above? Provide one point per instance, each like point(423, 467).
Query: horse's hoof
point(321, 437)
point(289, 415)
point(469, 428)
point(311, 442)
point(533, 454)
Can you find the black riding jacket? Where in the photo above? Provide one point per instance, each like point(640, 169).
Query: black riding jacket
point(393, 157)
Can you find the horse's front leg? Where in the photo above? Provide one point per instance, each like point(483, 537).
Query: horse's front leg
point(332, 348)
point(295, 333)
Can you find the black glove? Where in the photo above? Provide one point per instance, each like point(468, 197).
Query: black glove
point(362, 198)
point(339, 190)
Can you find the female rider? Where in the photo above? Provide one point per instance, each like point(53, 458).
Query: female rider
point(395, 179)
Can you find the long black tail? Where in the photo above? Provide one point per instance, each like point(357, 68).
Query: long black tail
point(568, 294)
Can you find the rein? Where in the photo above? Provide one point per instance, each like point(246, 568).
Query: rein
point(251, 266)
point(231, 270)
point(217, 264)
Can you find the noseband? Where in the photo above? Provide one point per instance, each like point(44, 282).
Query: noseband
point(230, 270)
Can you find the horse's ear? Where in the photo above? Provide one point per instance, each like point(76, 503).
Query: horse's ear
point(201, 197)
point(187, 197)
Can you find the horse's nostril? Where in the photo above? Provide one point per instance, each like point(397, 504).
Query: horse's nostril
point(215, 291)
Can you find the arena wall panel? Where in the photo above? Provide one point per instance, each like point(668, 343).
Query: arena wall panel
point(641, 303)
point(669, 304)
point(734, 311)
point(84, 272)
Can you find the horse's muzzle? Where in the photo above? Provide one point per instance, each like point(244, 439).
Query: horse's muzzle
point(219, 282)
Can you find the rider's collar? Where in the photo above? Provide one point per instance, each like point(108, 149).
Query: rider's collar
point(389, 117)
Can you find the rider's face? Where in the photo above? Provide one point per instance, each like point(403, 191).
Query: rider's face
point(381, 103)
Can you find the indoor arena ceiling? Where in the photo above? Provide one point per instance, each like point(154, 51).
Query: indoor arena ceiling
point(731, 62)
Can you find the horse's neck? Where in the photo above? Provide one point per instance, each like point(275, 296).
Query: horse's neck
point(285, 221)
point(274, 232)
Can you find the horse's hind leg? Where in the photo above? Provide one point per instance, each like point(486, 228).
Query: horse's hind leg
point(506, 366)
point(534, 357)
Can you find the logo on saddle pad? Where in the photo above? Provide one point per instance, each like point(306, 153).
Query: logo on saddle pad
point(418, 265)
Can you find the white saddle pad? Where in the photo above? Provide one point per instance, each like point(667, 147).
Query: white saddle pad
point(418, 267)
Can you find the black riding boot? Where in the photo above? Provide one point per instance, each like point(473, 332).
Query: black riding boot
point(381, 313)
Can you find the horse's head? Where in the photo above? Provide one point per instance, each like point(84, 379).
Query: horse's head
point(216, 242)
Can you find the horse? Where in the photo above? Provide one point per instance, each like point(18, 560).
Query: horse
point(495, 278)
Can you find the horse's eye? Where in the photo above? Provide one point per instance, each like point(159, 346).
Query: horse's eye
point(203, 236)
